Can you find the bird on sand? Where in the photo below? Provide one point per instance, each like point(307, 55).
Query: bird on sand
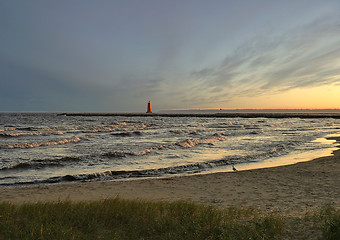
point(234, 169)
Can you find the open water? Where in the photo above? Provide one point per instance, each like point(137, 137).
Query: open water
point(44, 148)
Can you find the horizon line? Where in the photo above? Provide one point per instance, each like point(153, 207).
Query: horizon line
point(204, 109)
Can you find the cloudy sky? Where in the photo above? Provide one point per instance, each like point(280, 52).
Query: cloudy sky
point(115, 55)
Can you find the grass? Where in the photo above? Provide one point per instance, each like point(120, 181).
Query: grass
point(137, 219)
point(327, 219)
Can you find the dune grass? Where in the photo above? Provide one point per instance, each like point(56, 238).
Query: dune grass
point(136, 219)
point(327, 219)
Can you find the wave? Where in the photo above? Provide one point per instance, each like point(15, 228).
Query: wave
point(273, 150)
point(19, 134)
point(127, 134)
point(4, 178)
point(189, 143)
point(38, 164)
point(73, 139)
point(121, 154)
point(256, 132)
point(188, 168)
point(7, 129)
point(58, 130)
point(181, 131)
point(118, 154)
point(227, 125)
point(118, 127)
point(29, 165)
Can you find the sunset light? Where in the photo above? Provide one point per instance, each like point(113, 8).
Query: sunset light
point(103, 56)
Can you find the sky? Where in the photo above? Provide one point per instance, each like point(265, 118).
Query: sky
point(115, 55)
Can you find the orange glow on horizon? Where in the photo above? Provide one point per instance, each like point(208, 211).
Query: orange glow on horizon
point(324, 97)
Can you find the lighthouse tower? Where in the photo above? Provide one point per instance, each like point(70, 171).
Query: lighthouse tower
point(148, 110)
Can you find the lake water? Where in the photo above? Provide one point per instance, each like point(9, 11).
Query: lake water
point(44, 148)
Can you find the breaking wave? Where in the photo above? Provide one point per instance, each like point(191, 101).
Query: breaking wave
point(31, 145)
point(19, 134)
point(189, 143)
point(7, 129)
point(121, 154)
point(188, 169)
point(119, 128)
point(73, 139)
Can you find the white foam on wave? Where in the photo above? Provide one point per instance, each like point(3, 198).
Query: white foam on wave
point(19, 134)
point(215, 138)
point(73, 139)
point(7, 129)
point(189, 143)
point(119, 126)
point(119, 154)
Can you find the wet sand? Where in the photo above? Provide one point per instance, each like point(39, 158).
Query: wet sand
point(289, 189)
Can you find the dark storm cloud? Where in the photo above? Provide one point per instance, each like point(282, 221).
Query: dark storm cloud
point(29, 89)
point(84, 55)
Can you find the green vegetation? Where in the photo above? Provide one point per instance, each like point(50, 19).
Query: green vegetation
point(328, 221)
point(136, 219)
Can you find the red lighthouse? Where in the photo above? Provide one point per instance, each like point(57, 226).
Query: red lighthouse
point(148, 110)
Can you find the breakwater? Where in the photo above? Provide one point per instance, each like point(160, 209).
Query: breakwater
point(214, 115)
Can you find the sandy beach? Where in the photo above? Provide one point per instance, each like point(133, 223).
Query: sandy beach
point(290, 189)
